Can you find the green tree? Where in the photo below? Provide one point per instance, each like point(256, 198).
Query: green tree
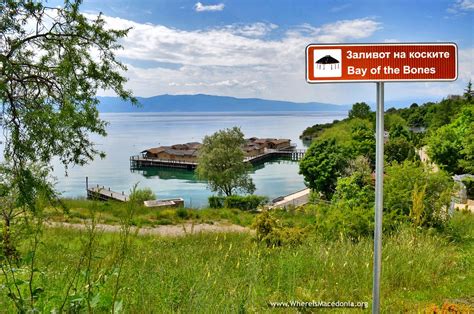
point(322, 165)
point(356, 190)
point(398, 130)
point(452, 146)
point(416, 118)
point(468, 92)
point(399, 149)
point(403, 183)
point(221, 163)
point(50, 75)
point(363, 142)
point(392, 119)
point(399, 146)
point(53, 60)
point(360, 110)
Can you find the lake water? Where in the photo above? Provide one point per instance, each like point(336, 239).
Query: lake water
point(130, 133)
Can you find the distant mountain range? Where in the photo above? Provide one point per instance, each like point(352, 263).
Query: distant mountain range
point(209, 103)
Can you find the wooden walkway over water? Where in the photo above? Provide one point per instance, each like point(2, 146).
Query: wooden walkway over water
point(104, 194)
point(137, 162)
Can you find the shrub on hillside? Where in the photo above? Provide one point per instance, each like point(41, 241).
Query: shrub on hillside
point(273, 234)
point(141, 195)
point(247, 202)
point(339, 220)
point(469, 184)
point(402, 184)
point(216, 201)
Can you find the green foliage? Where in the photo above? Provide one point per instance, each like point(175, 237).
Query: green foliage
point(350, 214)
point(322, 165)
point(391, 119)
point(354, 191)
point(49, 98)
point(452, 146)
point(53, 60)
point(399, 149)
point(468, 93)
point(360, 110)
point(398, 130)
point(182, 213)
point(273, 234)
point(141, 195)
point(221, 163)
point(316, 130)
point(416, 118)
point(205, 271)
point(216, 201)
point(469, 184)
point(342, 221)
point(459, 228)
point(418, 206)
point(403, 181)
point(363, 142)
point(247, 202)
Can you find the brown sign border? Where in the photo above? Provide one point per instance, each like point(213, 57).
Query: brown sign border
point(382, 80)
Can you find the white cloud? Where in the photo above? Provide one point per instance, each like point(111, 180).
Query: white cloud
point(258, 29)
point(240, 60)
point(199, 7)
point(466, 64)
point(460, 7)
point(348, 29)
point(339, 31)
point(236, 60)
point(465, 4)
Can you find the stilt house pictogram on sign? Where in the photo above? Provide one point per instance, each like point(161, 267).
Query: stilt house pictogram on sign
point(327, 60)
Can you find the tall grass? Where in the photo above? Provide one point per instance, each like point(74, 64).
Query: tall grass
point(233, 273)
point(112, 212)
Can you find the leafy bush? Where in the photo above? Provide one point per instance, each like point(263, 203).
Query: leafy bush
point(341, 221)
point(273, 234)
point(402, 183)
point(469, 183)
point(399, 149)
point(141, 195)
point(182, 213)
point(322, 165)
point(247, 202)
point(216, 201)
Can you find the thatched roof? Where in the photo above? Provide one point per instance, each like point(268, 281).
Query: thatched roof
point(156, 150)
point(327, 60)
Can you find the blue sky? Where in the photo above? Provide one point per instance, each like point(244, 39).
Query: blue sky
point(255, 48)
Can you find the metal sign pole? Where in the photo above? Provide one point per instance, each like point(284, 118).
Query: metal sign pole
point(379, 158)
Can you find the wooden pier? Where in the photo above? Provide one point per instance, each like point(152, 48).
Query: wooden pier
point(143, 162)
point(137, 162)
point(102, 193)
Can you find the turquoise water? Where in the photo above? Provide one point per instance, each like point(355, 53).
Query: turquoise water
point(130, 133)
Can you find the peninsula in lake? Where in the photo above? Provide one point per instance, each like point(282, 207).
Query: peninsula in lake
point(209, 103)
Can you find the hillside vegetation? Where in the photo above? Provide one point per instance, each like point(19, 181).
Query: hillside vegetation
point(422, 270)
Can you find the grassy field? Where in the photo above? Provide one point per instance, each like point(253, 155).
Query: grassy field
point(112, 212)
point(231, 272)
